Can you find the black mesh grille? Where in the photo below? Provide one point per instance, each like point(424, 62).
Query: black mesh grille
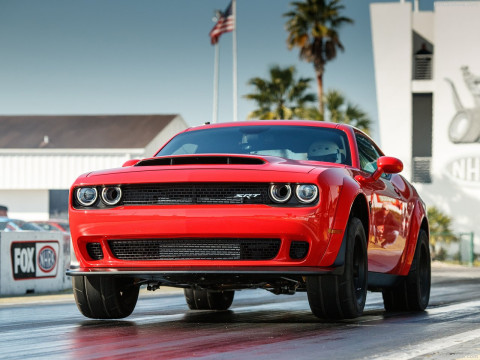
point(298, 249)
point(195, 249)
point(95, 251)
point(192, 193)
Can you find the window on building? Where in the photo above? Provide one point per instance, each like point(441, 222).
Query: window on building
point(422, 114)
point(422, 58)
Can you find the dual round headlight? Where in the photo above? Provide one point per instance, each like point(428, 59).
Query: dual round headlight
point(110, 195)
point(305, 193)
point(87, 196)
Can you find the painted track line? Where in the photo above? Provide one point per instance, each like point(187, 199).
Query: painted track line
point(431, 346)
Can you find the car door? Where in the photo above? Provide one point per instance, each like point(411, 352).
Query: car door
point(387, 235)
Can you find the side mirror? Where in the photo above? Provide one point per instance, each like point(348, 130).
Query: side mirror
point(131, 162)
point(385, 164)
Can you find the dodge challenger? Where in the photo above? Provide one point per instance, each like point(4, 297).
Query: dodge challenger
point(284, 206)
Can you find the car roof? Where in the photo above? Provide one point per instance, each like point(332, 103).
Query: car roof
point(324, 124)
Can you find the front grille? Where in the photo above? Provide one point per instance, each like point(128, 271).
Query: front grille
point(195, 193)
point(95, 251)
point(195, 249)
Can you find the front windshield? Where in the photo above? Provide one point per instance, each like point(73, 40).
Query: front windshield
point(290, 142)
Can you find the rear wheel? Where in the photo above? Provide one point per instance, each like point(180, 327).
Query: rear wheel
point(199, 299)
point(105, 297)
point(343, 296)
point(413, 292)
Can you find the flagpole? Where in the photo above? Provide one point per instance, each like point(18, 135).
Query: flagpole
point(234, 13)
point(215, 83)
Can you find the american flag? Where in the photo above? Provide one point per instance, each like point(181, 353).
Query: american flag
point(225, 23)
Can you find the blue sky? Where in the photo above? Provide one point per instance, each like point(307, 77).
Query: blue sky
point(154, 56)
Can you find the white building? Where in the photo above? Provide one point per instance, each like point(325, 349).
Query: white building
point(41, 156)
point(429, 101)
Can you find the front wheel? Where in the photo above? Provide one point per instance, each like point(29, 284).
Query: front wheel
point(199, 299)
point(105, 297)
point(413, 292)
point(343, 296)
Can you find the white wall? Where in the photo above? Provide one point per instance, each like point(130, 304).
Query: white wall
point(55, 168)
point(454, 29)
point(173, 128)
point(26, 204)
point(455, 167)
point(392, 45)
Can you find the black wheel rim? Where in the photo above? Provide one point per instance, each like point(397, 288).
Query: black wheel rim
point(424, 274)
point(359, 272)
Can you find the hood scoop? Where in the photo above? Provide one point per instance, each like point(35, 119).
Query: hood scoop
point(201, 160)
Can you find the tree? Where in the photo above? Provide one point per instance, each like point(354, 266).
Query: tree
point(313, 27)
point(281, 96)
point(339, 110)
point(440, 226)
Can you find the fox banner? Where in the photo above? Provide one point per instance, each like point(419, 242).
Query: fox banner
point(32, 262)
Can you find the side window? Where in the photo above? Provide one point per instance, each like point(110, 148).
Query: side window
point(368, 154)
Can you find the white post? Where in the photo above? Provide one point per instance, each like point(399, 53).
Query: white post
point(234, 13)
point(415, 6)
point(215, 84)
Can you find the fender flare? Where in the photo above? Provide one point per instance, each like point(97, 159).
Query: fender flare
point(349, 194)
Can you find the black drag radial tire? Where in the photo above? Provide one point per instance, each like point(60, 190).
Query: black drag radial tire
point(337, 297)
point(413, 292)
point(105, 297)
point(200, 299)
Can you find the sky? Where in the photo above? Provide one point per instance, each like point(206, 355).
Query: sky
point(61, 57)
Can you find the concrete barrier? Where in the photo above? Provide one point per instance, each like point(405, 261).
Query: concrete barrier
point(33, 262)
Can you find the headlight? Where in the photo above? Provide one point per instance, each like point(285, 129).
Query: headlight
point(280, 193)
point(306, 193)
point(111, 195)
point(87, 196)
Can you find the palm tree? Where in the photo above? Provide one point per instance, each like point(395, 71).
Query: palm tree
point(313, 27)
point(281, 96)
point(340, 110)
point(440, 226)
point(440, 231)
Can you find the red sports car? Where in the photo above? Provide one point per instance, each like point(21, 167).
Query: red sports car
point(284, 206)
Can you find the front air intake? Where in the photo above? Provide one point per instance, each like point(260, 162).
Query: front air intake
point(95, 251)
point(195, 249)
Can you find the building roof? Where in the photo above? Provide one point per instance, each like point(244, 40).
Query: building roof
point(80, 131)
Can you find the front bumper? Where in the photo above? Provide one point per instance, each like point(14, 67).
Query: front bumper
point(308, 224)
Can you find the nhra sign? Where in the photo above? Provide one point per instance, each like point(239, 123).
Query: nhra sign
point(34, 259)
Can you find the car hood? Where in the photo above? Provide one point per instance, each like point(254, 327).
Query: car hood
point(214, 167)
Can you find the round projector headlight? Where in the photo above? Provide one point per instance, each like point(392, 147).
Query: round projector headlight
point(306, 193)
point(111, 195)
point(280, 193)
point(87, 196)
